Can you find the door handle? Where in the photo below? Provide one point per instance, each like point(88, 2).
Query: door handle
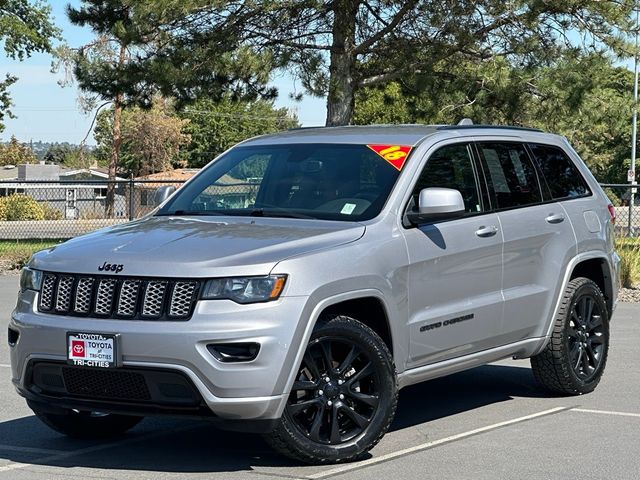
point(489, 231)
point(559, 218)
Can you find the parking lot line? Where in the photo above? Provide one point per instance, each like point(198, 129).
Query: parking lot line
point(435, 443)
point(96, 448)
point(606, 412)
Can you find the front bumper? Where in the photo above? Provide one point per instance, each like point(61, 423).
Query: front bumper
point(254, 390)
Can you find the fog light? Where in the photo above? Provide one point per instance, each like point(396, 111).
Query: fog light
point(234, 352)
point(13, 337)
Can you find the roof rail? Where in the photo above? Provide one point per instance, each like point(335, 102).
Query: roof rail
point(466, 126)
point(311, 127)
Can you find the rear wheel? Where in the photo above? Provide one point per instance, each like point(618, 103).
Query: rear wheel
point(80, 424)
point(344, 396)
point(575, 357)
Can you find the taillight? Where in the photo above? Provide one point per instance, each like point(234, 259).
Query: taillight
point(612, 212)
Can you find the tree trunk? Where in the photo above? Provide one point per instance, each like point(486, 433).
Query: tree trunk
point(341, 99)
point(114, 160)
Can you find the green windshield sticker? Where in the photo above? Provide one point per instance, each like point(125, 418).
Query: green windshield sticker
point(348, 208)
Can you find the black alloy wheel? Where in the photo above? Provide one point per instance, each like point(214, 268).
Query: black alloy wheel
point(344, 396)
point(336, 393)
point(573, 361)
point(586, 337)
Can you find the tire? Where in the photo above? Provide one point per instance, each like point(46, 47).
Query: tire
point(88, 424)
point(573, 361)
point(341, 419)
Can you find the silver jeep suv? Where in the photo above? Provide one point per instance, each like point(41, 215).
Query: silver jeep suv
point(301, 279)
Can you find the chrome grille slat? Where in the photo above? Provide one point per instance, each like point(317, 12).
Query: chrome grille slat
point(154, 298)
point(181, 299)
point(114, 297)
point(128, 298)
point(84, 293)
point(46, 293)
point(63, 293)
point(104, 297)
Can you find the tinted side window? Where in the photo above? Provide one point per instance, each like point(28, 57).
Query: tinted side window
point(511, 174)
point(451, 167)
point(563, 177)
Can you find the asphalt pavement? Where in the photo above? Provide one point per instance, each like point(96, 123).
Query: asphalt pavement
point(491, 423)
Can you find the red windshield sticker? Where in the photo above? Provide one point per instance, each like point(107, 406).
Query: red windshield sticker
point(394, 154)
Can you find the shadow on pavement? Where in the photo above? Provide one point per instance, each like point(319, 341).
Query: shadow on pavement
point(462, 392)
point(170, 447)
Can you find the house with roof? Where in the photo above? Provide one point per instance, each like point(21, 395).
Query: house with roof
point(79, 193)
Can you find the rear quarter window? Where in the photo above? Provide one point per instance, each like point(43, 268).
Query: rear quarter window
point(562, 177)
point(511, 174)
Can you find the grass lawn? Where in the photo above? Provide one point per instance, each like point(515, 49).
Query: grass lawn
point(15, 253)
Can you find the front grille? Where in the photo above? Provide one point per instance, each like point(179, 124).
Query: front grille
point(124, 298)
point(112, 384)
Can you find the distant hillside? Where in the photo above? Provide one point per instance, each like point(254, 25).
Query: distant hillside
point(40, 149)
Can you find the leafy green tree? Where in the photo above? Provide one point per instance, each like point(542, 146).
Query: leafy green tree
point(57, 152)
point(15, 153)
point(339, 47)
point(101, 66)
point(583, 97)
point(151, 138)
point(81, 158)
point(123, 64)
point(216, 126)
point(25, 27)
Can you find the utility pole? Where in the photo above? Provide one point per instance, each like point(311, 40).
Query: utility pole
point(634, 133)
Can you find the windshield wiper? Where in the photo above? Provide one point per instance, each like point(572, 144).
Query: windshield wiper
point(181, 213)
point(276, 213)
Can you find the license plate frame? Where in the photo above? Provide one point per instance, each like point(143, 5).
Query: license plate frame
point(92, 349)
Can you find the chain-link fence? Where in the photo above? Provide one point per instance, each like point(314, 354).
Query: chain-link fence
point(54, 209)
point(33, 209)
point(626, 201)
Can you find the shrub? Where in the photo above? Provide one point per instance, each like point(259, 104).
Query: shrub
point(629, 251)
point(51, 213)
point(20, 207)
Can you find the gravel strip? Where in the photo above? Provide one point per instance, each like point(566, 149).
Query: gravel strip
point(631, 295)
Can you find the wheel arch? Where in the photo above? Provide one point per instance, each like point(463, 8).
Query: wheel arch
point(586, 263)
point(596, 269)
point(334, 304)
point(369, 310)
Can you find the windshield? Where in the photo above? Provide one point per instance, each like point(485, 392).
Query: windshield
point(320, 181)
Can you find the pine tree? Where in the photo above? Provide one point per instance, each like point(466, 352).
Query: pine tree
point(337, 47)
point(100, 67)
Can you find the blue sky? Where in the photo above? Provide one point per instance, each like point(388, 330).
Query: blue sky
point(50, 113)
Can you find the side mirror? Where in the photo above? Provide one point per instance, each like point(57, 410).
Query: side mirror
point(162, 193)
point(437, 203)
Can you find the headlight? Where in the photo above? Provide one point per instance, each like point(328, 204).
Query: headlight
point(30, 279)
point(245, 289)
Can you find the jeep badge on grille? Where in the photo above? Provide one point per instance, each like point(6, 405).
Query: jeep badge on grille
point(111, 267)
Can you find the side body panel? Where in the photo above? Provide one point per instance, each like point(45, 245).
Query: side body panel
point(455, 280)
point(536, 254)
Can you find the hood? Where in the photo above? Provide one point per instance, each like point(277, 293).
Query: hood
point(195, 246)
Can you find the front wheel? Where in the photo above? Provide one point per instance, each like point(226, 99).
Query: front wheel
point(80, 424)
point(344, 396)
point(574, 359)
